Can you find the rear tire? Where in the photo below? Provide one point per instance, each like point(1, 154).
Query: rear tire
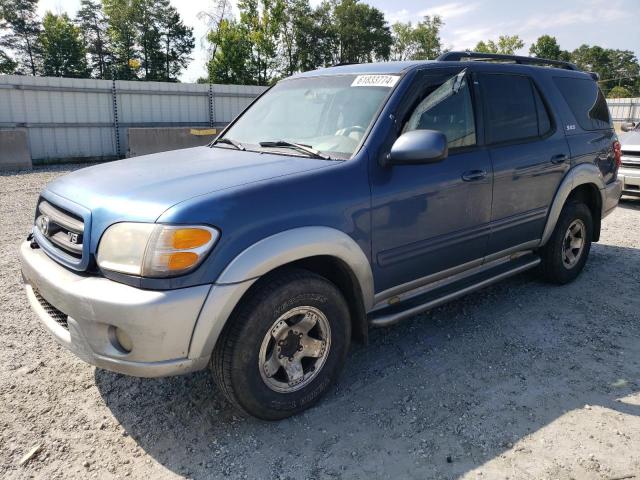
point(283, 346)
point(566, 252)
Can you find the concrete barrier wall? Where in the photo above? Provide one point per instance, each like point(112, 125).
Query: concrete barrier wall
point(14, 150)
point(143, 141)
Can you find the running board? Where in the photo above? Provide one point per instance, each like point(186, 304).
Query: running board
point(434, 298)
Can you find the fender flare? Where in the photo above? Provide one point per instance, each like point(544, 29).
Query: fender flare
point(261, 258)
point(582, 174)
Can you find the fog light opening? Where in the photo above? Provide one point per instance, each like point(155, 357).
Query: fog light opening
point(120, 340)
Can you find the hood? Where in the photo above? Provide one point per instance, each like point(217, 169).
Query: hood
point(142, 188)
point(630, 140)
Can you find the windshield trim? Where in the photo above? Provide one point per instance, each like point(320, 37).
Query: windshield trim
point(334, 155)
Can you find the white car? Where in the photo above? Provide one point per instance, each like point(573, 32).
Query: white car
point(629, 172)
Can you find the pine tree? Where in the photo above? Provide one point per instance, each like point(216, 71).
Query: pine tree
point(178, 43)
point(21, 19)
point(122, 36)
point(93, 24)
point(63, 53)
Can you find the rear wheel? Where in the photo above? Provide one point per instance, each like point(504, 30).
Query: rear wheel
point(566, 252)
point(284, 346)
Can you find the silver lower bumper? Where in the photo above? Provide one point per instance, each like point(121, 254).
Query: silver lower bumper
point(630, 178)
point(82, 312)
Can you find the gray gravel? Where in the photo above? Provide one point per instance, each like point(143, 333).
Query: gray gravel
point(522, 380)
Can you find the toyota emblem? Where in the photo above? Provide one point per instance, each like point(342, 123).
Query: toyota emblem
point(43, 224)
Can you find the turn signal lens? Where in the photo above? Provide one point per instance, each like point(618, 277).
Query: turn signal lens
point(181, 260)
point(187, 238)
point(617, 152)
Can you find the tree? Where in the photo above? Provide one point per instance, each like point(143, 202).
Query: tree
point(427, 35)
point(221, 10)
point(63, 53)
point(547, 47)
point(506, 45)
point(262, 20)
point(421, 42)
point(361, 33)
point(178, 43)
point(122, 36)
point(296, 35)
point(7, 65)
point(619, 92)
point(233, 53)
point(93, 25)
point(615, 67)
point(21, 19)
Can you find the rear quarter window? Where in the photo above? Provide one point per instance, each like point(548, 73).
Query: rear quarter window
point(586, 101)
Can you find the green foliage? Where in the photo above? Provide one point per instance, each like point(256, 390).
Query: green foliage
point(7, 65)
point(178, 43)
point(230, 63)
point(547, 47)
point(615, 67)
point(122, 36)
point(361, 33)
point(93, 24)
point(619, 92)
point(63, 53)
point(20, 18)
point(421, 42)
point(506, 45)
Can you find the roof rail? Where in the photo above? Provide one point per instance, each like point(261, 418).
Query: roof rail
point(491, 57)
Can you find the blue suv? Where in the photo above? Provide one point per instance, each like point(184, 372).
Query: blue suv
point(342, 199)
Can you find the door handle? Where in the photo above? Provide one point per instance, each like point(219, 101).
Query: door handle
point(474, 175)
point(560, 158)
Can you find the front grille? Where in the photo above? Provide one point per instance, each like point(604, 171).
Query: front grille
point(63, 229)
point(59, 317)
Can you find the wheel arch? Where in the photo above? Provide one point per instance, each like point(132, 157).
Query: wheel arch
point(582, 182)
point(323, 250)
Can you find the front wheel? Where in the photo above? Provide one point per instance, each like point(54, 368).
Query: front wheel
point(284, 345)
point(565, 255)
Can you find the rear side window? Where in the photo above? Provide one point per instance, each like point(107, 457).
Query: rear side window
point(586, 101)
point(514, 109)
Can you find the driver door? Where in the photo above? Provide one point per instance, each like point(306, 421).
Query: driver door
point(430, 218)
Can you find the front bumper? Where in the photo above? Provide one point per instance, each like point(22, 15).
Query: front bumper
point(630, 178)
point(83, 311)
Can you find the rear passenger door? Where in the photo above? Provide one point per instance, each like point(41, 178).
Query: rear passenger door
point(529, 155)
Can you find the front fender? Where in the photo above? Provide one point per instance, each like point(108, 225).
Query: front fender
point(264, 256)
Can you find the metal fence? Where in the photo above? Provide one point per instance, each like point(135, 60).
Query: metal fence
point(624, 109)
point(86, 118)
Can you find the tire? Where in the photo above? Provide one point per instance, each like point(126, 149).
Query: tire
point(268, 324)
point(560, 263)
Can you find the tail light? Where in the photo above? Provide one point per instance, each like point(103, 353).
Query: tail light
point(617, 152)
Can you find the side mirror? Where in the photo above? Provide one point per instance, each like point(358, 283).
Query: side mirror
point(419, 147)
point(627, 126)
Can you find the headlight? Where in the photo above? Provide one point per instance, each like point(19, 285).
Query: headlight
point(154, 250)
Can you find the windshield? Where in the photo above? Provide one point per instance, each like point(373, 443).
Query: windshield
point(329, 114)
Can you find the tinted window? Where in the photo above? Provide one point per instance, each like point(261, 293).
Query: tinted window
point(544, 122)
point(448, 109)
point(585, 101)
point(511, 108)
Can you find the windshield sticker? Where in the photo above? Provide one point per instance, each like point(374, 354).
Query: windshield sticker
point(375, 81)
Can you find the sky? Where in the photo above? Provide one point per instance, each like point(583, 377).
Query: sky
point(608, 23)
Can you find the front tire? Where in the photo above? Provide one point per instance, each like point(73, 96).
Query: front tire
point(284, 345)
point(566, 252)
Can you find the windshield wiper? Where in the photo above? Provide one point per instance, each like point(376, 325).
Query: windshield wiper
point(229, 141)
point(312, 152)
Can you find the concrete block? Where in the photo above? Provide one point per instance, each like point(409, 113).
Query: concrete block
point(15, 153)
point(143, 141)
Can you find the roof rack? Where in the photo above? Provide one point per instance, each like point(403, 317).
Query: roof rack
point(492, 57)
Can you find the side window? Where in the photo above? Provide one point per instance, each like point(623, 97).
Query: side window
point(447, 108)
point(544, 121)
point(586, 101)
point(512, 108)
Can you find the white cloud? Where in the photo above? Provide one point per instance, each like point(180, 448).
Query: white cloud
point(450, 10)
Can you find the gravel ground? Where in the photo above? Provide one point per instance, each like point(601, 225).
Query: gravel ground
point(522, 380)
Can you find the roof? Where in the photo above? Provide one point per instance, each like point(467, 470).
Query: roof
point(401, 67)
